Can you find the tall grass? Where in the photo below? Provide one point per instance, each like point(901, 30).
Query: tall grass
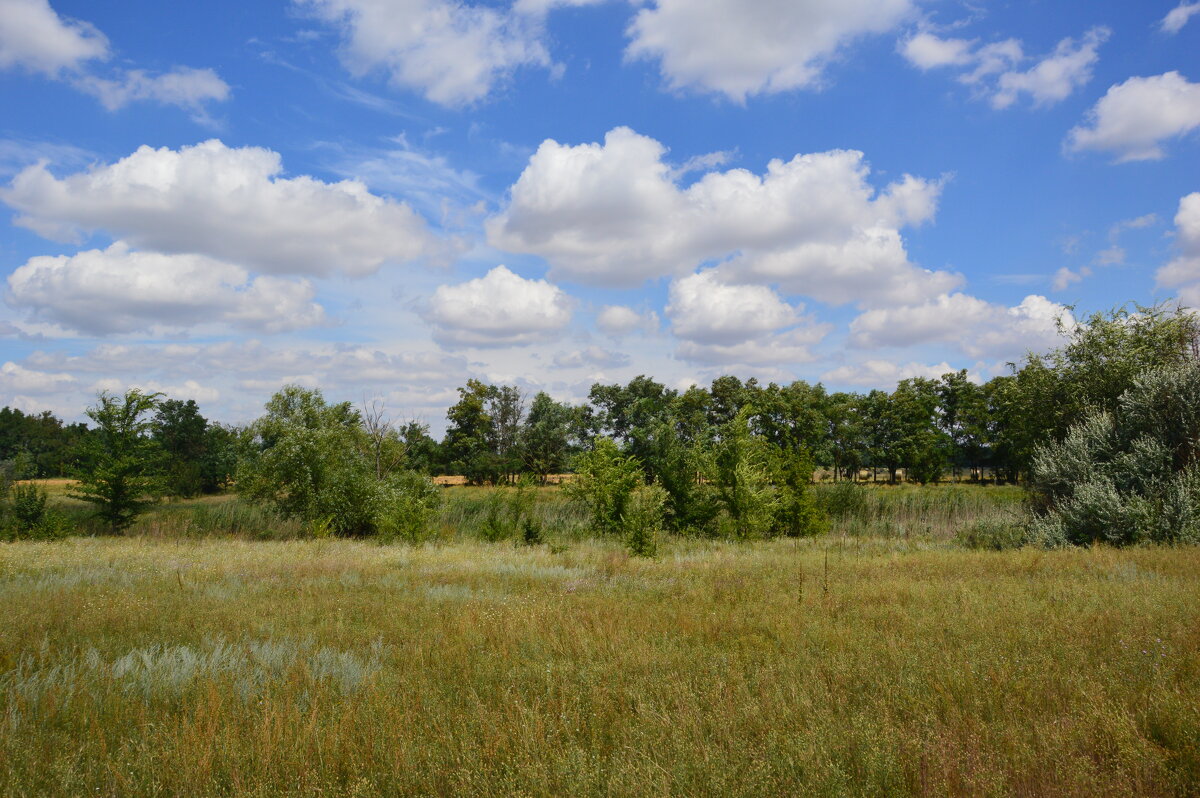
point(836, 666)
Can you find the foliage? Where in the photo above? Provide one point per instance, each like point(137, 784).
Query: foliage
point(407, 505)
point(741, 472)
point(508, 514)
point(310, 462)
point(120, 461)
point(1127, 476)
point(643, 520)
point(604, 482)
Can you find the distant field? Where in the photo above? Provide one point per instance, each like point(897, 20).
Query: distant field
point(835, 666)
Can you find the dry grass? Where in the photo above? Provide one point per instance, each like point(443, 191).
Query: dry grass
point(871, 667)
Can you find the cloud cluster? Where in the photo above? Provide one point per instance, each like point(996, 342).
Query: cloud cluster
point(722, 324)
point(739, 49)
point(614, 214)
point(34, 37)
point(117, 290)
point(453, 53)
point(977, 327)
point(498, 309)
point(619, 320)
point(1134, 118)
point(877, 373)
point(1183, 272)
point(226, 203)
point(994, 70)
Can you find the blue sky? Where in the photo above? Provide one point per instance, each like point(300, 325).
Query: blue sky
point(384, 198)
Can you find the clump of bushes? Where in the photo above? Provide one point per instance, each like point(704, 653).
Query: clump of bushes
point(1127, 476)
point(25, 516)
point(315, 462)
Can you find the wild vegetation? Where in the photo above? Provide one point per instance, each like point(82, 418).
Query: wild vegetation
point(718, 598)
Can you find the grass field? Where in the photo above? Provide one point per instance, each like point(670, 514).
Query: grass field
point(835, 666)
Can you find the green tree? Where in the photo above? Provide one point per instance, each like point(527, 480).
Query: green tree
point(310, 462)
point(604, 482)
point(546, 436)
point(467, 444)
point(120, 469)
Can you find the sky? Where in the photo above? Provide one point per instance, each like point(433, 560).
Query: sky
point(385, 198)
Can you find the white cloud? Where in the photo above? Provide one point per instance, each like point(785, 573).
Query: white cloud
point(1053, 78)
point(182, 86)
point(993, 69)
point(721, 323)
point(226, 203)
point(1064, 277)
point(591, 357)
point(1134, 118)
point(611, 214)
point(498, 309)
point(886, 373)
point(452, 52)
point(976, 326)
point(1183, 272)
point(707, 311)
point(1178, 16)
point(119, 291)
point(927, 51)
point(34, 37)
point(739, 49)
point(619, 320)
point(189, 389)
point(15, 378)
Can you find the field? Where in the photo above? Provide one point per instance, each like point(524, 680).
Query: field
point(178, 663)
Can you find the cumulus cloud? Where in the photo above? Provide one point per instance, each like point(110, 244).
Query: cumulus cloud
point(226, 203)
point(886, 373)
point(118, 290)
point(453, 53)
point(612, 214)
point(1178, 16)
point(16, 379)
point(498, 309)
point(976, 326)
point(1134, 118)
point(618, 320)
point(720, 323)
point(34, 37)
point(1183, 272)
point(189, 389)
point(994, 70)
point(739, 49)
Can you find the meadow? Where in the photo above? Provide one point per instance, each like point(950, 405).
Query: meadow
point(205, 654)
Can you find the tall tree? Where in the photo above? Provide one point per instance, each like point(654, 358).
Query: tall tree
point(120, 461)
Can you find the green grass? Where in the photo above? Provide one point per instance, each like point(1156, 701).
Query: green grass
point(835, 666)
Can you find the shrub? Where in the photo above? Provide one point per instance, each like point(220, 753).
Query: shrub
point(508, 514)
point(993, 535)
point(643, 520)
point(408, 502)
point(1129, 476)
point(604, 482)
point(842, 500)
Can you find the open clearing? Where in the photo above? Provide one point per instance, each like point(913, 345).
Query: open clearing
point(829, 666)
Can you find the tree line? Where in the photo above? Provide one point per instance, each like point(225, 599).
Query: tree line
point(734, 458)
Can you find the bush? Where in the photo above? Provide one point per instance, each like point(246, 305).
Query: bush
point(604, 482)
point(508, 514)
point(643, 520)
point(842, 500)
point(407, 504)
point(1127, 477)
point(993, 535)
